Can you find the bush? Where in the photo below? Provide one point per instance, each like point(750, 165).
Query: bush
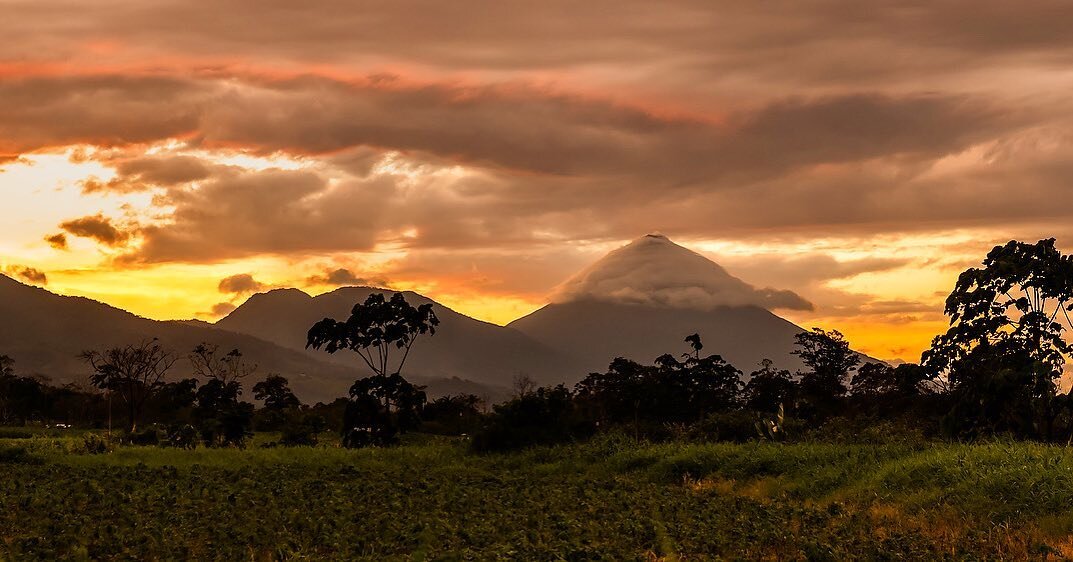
point(303, 432)
point(17, 455)
point(146, 437)
point(181, 436)
point(546, 416)
point(736, 426)
point(95, 444)
point(15, 433)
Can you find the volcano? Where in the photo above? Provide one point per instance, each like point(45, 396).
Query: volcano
point(640, 301)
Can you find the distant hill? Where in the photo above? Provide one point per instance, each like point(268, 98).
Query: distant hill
point(594, 332)
point(462, 348)
point(640, 301)
point(44, 333)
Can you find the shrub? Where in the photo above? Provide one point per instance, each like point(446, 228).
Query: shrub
point(736, 426)
point(17, 455)
point(15, 433)
point(96, 444)
point(543, 417)
point(146, 437)
point(303, 432)
point(181, 436)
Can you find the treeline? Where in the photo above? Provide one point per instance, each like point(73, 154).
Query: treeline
point(705, 398)
point(996, 371)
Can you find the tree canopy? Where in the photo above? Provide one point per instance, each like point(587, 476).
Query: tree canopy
point(375, 329)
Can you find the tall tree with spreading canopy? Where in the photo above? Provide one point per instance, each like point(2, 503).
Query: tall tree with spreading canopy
point(830, 360)
point(385, 404)
point(275, 391)
point(1006, 348)
point(375, 329)
point(134, 372)
point(209, 363)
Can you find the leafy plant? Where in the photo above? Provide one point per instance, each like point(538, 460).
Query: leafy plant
point(773, 428)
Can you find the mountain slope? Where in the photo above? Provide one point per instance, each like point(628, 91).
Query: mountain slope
point(594, 332)
point(643, 299)
point(44, 333)
point(462, 346)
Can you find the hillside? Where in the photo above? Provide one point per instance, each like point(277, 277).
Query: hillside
point(462, 347)
point(593, 332)
point(44, 332)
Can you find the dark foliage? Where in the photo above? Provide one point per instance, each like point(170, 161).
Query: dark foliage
point(768, 388)
point(829, 360)
point(380, 408)
point(459, 414)
point(545, 416)
point(134, 373)
point(375, 329)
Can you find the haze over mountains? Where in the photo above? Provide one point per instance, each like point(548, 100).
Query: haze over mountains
point(638, 302)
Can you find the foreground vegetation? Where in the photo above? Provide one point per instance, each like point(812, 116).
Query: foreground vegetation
point(610, 498)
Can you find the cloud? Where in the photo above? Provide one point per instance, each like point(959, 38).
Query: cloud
point(222, 309)
point(141, 173)
point(242, 213)
point(28, 274)
point(342, 276)
point(97, 227)
point(653, 271)
point(240, 284)
point(57, 241)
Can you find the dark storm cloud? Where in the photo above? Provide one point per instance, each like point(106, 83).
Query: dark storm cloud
point(512, 128)
point(110, 110)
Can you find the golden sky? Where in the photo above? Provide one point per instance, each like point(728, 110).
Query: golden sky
point(859, 154)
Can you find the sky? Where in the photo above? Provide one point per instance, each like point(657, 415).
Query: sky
point(172, 158)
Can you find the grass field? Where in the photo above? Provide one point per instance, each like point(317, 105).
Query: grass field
point(609, 499)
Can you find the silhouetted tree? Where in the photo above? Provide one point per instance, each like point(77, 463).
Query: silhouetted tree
point(545, 416)
point(455, 414)
point(7, 377)
point(302, 429)
point(669, 391)
point(695, 344)
point(223, 419)
point(134, 372)
point(829, 359)
point(209, 363)
point(1004, 350)
point(173, 398)
point(380, 408)
point(879, 380)
point(768, 388)
point(275, 392)
point(280, 409)
point(522, 384)
point(374, 329)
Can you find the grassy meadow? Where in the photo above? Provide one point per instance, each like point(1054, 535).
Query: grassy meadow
point(609, 499)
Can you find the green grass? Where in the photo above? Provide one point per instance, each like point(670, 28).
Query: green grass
point(609, 499)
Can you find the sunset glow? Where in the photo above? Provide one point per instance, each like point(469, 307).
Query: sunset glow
point(149, 152)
